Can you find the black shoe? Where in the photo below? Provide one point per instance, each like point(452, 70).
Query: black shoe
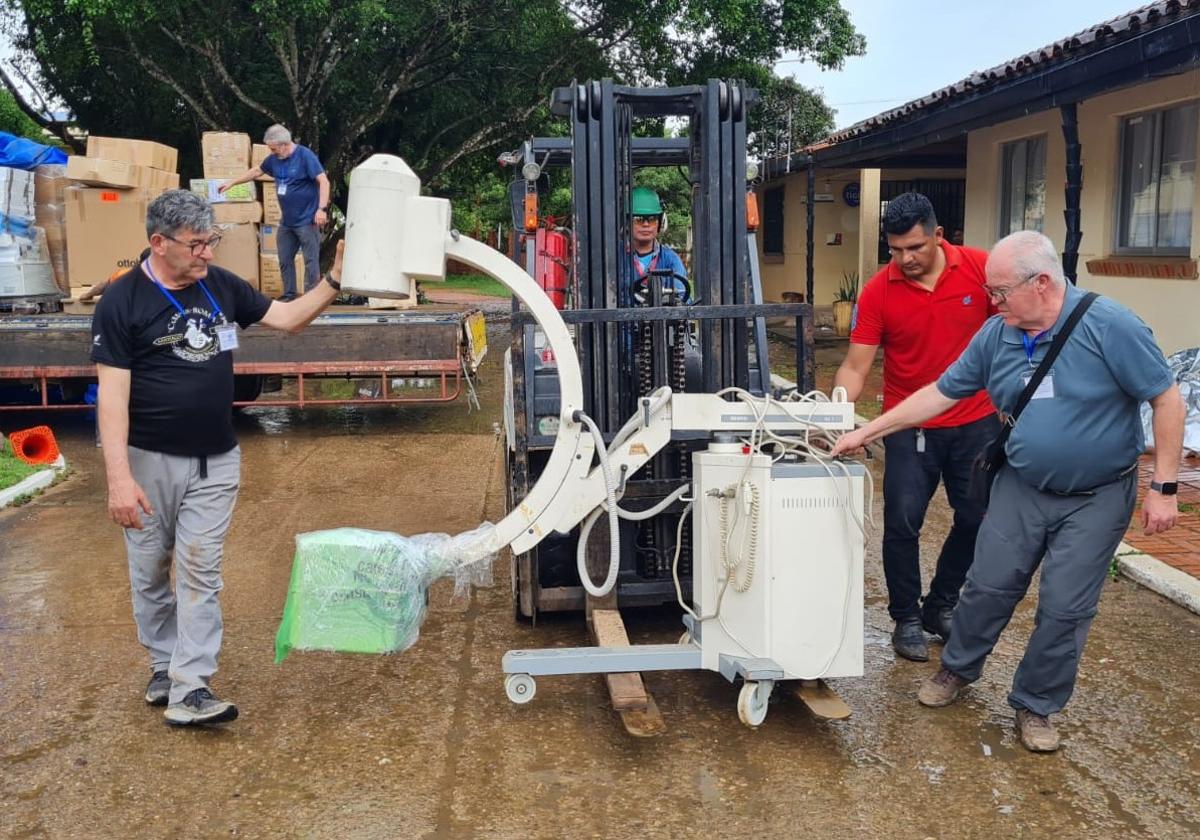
point(159, 689)
point(908, 640)
point(200, 706)
point(937, 622)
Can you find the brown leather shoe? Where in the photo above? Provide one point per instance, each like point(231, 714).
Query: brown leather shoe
point(1036, 732)
point(941, 689)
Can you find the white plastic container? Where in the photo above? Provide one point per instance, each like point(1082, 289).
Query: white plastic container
point(393, 234)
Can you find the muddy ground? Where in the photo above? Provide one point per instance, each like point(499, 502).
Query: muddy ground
point(425, 744)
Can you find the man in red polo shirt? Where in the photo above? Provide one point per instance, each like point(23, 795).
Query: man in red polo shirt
point(923, 308)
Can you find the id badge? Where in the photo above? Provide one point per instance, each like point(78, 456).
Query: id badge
point(1045, 388)
point(227, 337)
point(281, 189)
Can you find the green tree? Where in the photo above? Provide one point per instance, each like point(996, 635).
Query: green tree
point(789, 117)
point(15, 121)
point(444, 83)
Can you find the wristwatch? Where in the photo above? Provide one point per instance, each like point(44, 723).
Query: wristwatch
point(1166, 488)
point(337, 287)
point(324, 209)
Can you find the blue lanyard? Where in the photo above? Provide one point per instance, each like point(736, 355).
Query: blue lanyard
point(216, 307)
point(1031, 343)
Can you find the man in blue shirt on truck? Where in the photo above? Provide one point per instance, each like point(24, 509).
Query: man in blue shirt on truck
point(303, 191)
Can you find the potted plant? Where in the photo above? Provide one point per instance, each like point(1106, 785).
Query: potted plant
point(844, 300)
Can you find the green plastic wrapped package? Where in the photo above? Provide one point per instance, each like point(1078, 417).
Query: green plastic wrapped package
point(360, 591)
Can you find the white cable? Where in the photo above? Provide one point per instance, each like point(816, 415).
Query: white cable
point(746, 556)
point(614, 536)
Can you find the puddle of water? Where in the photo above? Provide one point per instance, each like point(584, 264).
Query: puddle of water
point(997, 742)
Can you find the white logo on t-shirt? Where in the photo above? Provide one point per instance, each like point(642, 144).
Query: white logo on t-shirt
point(190, 336)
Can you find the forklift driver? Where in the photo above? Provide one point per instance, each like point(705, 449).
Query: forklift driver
point(650, 257)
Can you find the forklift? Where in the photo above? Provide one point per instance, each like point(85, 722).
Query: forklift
point(634, 334)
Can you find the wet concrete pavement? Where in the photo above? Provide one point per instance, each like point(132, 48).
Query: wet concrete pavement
point(425, 744)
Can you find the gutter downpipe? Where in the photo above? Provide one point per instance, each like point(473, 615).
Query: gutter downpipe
point(1074, 187)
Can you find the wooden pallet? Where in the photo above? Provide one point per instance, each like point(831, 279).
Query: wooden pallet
point(630, 699)
point(820, 699)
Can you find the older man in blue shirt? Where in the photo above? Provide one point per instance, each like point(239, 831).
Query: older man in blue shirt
point(1067, 492)
point(302, 188)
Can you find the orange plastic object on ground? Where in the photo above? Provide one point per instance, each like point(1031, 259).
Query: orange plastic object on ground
point(34, 446)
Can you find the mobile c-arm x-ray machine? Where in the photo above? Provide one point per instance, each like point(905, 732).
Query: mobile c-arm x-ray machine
point(777, 526)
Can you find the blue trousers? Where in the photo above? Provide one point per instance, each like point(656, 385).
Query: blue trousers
point(1073, 539)
point(307, 240)
point(910, 478)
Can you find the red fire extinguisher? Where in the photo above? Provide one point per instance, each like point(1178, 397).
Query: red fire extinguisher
point(550, 264)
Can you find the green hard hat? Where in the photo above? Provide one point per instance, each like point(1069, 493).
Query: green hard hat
point(643, 201)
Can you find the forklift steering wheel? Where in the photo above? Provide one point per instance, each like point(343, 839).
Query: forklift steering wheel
point(641, 289)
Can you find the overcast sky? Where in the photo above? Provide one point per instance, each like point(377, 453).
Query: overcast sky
point(914, 49)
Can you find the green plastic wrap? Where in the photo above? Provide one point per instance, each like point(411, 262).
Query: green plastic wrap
point(359, 591)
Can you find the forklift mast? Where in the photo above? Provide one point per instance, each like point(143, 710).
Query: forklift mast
point(629, 346)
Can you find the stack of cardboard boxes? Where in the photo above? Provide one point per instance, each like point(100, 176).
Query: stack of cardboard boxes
point(105, 207)
point(247, 226)
point(237, 212)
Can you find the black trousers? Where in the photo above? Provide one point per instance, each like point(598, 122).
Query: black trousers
point(909, 480)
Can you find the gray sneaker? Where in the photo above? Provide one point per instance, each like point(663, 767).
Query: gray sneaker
point(941, 689)
point(159, 689)
point(200, 706)
point(1036, 732)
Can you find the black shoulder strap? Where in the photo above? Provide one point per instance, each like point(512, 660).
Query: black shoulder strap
point(1056, 347)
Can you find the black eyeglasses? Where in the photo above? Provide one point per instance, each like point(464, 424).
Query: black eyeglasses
point(198, 246)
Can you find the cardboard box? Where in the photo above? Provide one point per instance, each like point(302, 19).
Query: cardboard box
point(266, 239)
point(207, 188)
point(50, 213)
point(270, 280)
point(237, 212)
point(272, 213)
point(258, 153)
point(98, 172)
point(50, 182)
point(106, 231)
point(139, 152)
point(56, 242)
point(226, 153)
point(238, 251)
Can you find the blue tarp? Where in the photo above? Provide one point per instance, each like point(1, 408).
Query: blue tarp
point(20, 153)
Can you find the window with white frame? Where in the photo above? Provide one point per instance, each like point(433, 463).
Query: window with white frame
point(1023, 185)
point(1157, 181)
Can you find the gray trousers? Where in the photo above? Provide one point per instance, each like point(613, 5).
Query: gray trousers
point(1074, 539)
point(307, 240)
point(181, 629)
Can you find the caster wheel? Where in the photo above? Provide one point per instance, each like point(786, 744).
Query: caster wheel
point(752, 702)
point(520, 688)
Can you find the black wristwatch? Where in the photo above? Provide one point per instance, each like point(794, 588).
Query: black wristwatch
point(1166, 488)
point(337, 287)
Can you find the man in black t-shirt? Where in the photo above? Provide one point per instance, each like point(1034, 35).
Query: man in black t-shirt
point(162, 339)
